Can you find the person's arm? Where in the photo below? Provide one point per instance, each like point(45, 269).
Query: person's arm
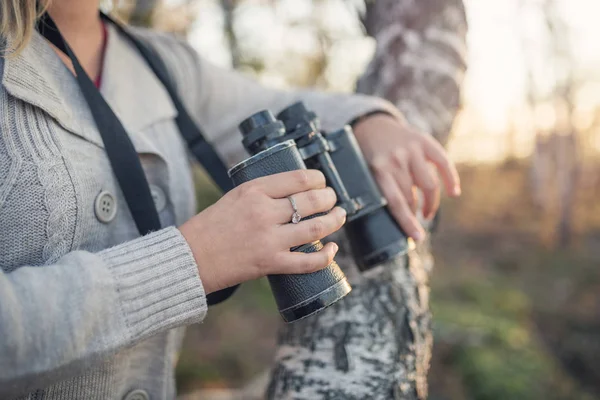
point(58, 320)
point(219, 98)
point(227, 97)
point(398, 154)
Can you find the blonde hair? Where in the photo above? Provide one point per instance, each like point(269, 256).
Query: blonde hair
point(17, 22)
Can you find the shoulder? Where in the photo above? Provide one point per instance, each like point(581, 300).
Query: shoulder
point(166, 43)
point(181, 59)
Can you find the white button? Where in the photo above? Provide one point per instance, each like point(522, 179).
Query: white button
point(105, 207)
point(159, 197)
point(137, 394)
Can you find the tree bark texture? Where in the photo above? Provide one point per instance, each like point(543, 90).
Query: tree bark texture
point(228, 7)
point(420, 59)
point(141, 12)
point(376, 343)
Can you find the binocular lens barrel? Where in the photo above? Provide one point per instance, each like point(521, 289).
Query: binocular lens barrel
point(374, 235)
point(297, 295)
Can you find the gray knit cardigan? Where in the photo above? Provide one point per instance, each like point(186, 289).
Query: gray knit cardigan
point(89, 310)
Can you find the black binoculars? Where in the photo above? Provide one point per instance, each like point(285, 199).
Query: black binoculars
point(295, 141)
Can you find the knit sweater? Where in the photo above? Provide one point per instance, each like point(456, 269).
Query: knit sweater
point(88, 309)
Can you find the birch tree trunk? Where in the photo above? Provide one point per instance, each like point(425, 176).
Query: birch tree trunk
point(228, 7)
point(376, 343)
point(141, 12)
point(420, 59)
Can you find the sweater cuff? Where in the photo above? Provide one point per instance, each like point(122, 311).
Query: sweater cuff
point(360, 118)
point(157, 282)
point(355, 108)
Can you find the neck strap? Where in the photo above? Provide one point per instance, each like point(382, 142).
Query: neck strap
point(121, 153)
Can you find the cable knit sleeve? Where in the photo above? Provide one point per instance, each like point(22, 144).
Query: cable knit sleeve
point(58, 319)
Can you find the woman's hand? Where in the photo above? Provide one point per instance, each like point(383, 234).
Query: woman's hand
point(401, 159)
point(247, 234)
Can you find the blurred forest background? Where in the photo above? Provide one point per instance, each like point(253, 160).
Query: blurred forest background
point(516, 288)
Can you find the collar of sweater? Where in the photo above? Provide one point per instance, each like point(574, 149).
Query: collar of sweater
point(37, 76)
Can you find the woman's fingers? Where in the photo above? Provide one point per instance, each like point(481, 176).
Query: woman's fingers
point(426, 179)
point(303, 263)
point(406, 186)
point(284, 184)
point(437, 155)
point(403, 177)
point(313, 229)
point(308, 203)
point(399, 207)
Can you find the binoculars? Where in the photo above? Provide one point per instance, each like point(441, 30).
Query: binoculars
point(295, 141)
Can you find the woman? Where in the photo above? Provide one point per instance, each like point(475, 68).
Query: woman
point(88, 309)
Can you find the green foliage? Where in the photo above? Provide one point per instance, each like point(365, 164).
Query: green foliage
point(494, 346)
point(254, 296)
point(259, 297)
point(189, 371)
point(207, 193)
point(503, 372)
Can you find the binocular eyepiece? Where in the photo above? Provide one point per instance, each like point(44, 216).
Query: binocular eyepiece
point(297, 116)
point(295, 141)
point(261, 131)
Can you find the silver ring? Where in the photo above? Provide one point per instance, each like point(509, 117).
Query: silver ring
point(296, 215)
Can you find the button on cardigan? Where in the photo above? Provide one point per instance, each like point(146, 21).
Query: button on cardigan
point(89, 310)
